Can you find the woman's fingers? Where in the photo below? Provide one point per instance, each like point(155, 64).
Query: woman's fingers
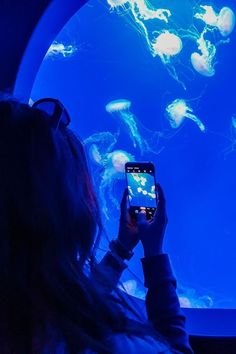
point(161, 197)
point(161, 205)
point(142, 222)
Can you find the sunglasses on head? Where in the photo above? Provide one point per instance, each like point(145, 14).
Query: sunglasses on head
point(55, 109)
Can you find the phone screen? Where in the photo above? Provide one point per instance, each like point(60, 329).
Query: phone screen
point(140, 177)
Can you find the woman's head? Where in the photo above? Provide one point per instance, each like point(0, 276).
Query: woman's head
point(47, 200)
point(48, 219)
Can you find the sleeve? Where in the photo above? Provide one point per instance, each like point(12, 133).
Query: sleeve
point(109, 270)
point(162, 303)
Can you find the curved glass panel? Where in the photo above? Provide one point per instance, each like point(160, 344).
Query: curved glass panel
point(154, 81)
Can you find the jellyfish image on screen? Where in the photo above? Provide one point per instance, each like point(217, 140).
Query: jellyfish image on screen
point(120, 109)
point(114, 170)
point(224, 21)
point(57, 50)
point(178, 110)
point(141, 189)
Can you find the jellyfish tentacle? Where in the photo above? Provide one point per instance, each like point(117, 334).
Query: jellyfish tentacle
point(145, 141)
point(196, 120)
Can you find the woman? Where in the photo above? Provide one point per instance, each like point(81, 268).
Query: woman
point(50, 300)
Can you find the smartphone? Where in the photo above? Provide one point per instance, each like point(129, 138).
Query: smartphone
point(141, 183)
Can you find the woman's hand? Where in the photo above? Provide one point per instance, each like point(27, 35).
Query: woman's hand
point(150, 232)
point(128, 231)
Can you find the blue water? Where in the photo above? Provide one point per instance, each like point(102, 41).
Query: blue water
point(197, 170)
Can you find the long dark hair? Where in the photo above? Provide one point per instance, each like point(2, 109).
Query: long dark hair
point(49, 223)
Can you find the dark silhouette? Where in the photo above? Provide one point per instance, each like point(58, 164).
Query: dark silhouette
point(50, 301)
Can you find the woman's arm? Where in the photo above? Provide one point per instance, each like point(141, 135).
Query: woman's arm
point(162, 303)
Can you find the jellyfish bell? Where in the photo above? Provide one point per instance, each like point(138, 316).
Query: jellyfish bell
point(167, 43)
point(118, 160)
point(176, 112)
point(95, 155)
point(226, 21)
point(57, 49)
point(233, 120)
point(202, 65)
point(185, 302)
point(118, 105)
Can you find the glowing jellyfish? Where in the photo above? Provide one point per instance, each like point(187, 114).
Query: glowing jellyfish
point(114, 169)
point(117, 4)
point(99, 144)
point(190, 298)
point(178, 110)
point(166, 45)
point(121, 109)
point(132, 288)
point(141, 9)
point(59, 49)
point(208, 15)
point(233, 120)
point(145, 11)
point(204, 63)
point(224, 21)
point(232, 139)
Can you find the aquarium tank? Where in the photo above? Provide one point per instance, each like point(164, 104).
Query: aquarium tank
point(155, 81)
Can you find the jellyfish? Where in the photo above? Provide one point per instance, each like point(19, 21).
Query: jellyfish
point(208, 15)
point(233, 120)
point(144, 10)
point(204, 61)
point(232, 139)
point(224, 21)
point(166, 45)
point(202, 65)
point(141, 9)
point(110, 165)
point(121, 109)
point(114, 169)
point(178, 110)
point(190, 298)
point(132, 288)
point(99, 144)
point(59, 49)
